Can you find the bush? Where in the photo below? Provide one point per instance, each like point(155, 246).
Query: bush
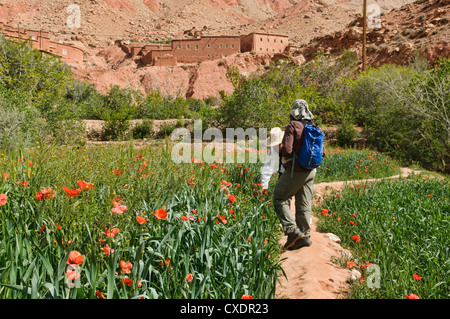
point(20, 123)
point(115, 129)
point(166, 129)
point(346, 134)
point(405, 112)
point(44, 78)
point(143, 130)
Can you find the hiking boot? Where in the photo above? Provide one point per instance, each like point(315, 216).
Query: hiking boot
point(292, 238)
point(302, 242)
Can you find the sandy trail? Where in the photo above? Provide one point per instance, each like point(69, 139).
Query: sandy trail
point(310, 272)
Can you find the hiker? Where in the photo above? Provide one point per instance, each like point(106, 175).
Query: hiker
point(296, 181)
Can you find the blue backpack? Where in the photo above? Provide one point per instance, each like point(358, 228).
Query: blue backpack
point(311, 153)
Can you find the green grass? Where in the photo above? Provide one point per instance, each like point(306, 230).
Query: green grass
point(351, 164)
point(404, 229)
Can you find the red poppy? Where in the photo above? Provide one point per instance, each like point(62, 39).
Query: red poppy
point(356, 238)
point(39, 196)
point(189, 278)
point(71, 192)
point(417, 277)
point(112, 232)
point(226, 183)
point(84, 185)
point(75, 258)
point(350, 264)
point(325, 211)
point(222, 218)
point(166, 261)
point(118, 209)
point(231, 198)
point(246, 297)
point(127, 281)
point(160, 213)
point(23, 184)
point(72, 274)
point(3, 199)
point(412, 296)
point(126, 266)
point(99, 294)
point(141, 220)
point(118, 172)
point(108, 250)
point(366, 265)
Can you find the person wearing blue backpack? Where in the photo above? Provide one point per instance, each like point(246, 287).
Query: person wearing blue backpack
point(301, 153)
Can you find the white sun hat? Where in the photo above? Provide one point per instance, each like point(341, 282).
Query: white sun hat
point(276, 137)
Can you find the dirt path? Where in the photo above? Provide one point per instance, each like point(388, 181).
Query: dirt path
point(310, 272)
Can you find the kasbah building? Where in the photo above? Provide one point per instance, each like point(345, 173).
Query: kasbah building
point(192, 50)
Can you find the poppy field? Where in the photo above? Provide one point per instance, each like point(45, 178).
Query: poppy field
point(400, 226)
point(125, 223)
point(119, 223)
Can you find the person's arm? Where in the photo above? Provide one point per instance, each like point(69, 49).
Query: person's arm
point(268, 169)
point(288, 142)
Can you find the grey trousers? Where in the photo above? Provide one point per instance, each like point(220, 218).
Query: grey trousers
point(299, 185)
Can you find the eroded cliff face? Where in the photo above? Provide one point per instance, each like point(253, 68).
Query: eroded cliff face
point(312, 25)
point(104, 21)
point(417, 28)
point(112, 66)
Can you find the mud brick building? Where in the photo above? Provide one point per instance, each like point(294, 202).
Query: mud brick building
point(264, 43)
point(206, 48)
point(40, 40)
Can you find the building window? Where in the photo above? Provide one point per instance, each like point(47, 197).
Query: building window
point(209, 46)
point(260, 49)
point(261, 39)
point(196, 47)
point(232, 46)
point(281, 41)
point(64, 51)
point(179, 46)
point(188, 46)
point(275, 40)
point(220, 45)
point(226, 46)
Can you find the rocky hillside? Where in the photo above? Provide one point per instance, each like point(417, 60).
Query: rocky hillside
point(417, 28)
point(313, 25)
point(103, 21)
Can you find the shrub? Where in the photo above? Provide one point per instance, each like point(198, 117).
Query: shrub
point(44, 78)
point(19, 120)
point(166, 129)
point(346, 134)
point(143, 130)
